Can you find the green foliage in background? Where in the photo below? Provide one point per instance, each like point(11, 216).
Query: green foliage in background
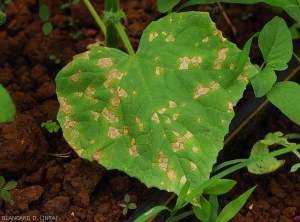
point(7, 107)
point(5, 188)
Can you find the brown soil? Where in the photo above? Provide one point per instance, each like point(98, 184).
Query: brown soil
point(85, 191)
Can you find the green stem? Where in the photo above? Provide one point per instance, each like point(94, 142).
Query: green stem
point(297, 57)
point(95, 16)
point(112, 39)
point(124, 38)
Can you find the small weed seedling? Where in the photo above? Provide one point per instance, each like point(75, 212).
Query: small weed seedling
point(54, 58)
point(127, 206)
point(5, 188)
point(51, 126)
point(45, 17)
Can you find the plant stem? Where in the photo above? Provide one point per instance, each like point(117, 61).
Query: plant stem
point(95, 16)
point(111, 39)
point(124, 38)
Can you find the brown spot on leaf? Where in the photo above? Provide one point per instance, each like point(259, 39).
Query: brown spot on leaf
point(200, 91)
point(115, 100)
point(162, 161)
point(113, 133)
point(97, 155)
point(92, 140)
point(170, 38)
point(79, 152)
point(84, 55)
point(193, 166)
point(221, 57)
point(159, 70)
point(105, 62)
point(76, 77)
point(90, 90)
point(175, 116)
point(155, 117)
point(69, 123)
point(79, 94)
point(172, 104)
point(214, 85)
point(122, 92)
point(140, 123)
point(95, 115)
point(195, 149)
point(64, 105)
point(230, 107)
point(171, 174)
point(205, 39)
point(183, 180)
point(132, 149)
point(75, 134)
point(162, 110)
point(244, 78)
point(111, 76)
point(152, 36)
point(110, 115)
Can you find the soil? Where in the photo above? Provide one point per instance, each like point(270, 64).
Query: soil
point(82, 190)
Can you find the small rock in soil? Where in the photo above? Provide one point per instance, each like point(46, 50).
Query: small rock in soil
point(276, 190)
point(56, 206)
point(289, 212)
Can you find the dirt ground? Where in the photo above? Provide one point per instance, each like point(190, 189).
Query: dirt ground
point(85, 191)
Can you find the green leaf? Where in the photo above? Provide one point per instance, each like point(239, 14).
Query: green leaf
point(10, 185)
point(127, 198)
point(277, 65)
point(75, 2)
point(65, 5)
point(285, 96)
point(7, 107)
point(203, 211)
point(295, 167)
point(263, 81)
point(47, 28)
point(182, 195)
point(123, 205)
point(166, 5)
point(2, 181)
point(132, 206)
point(125, 211)
point(220, 187)
point(160, 115)
point(234, 206)
point(44, 13)
point(148, 214)
point(213, 201)
point(5, 195)
point(275, 41)
point(260, 148)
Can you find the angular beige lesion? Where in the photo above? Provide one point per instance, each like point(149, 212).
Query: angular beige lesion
point(214, 85)
point(140, 123)
point(205, 39)
point(170, 38)
point(178, 145)
point(110, 115)
point(115, 101)
point(84, 55)
point(172, 104)
point(132, 149)
point(105, 63)
point(221, 57)
point(125, 130)
point(159, 70)
point(183, 180)
point(76, 77)
point(184, 62)
point(193, 166)
point(64, 105)
point(97, 155)
point(90, 90)
point(168, 121)
point(69, 123)
point(232, 65)
point(171, 174)
point(92, 140)
point(195, 149)
point(79, 152)
point(162, 161)
point(230, 107)
point(74, 134)
point(113, 133)
point(201, 90)
point(112, 75)
point(122, 92)
point(78, 94)
point(155, 118)
point(175, 116)
point(152, 36)
point(95, 115)
point(243, 78)
point(162, 110)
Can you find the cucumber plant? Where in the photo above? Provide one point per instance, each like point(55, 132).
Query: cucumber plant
point(160, 114)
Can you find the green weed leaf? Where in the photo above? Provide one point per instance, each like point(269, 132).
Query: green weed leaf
point(166, 5)
point(263, 81)
point(203, 211)
point(145, 216)
point(275, 41)
point(47, 28)
point(160, 115)
point(260, 148)
point(295, 167)
point(7, 107)
point(5, 195)
point(2, 181)
point(214, 203)
point(285, 96)
point(234, 206)
point(132, 206)
point(219, 187)
point(44, 13)
point(10, 185)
